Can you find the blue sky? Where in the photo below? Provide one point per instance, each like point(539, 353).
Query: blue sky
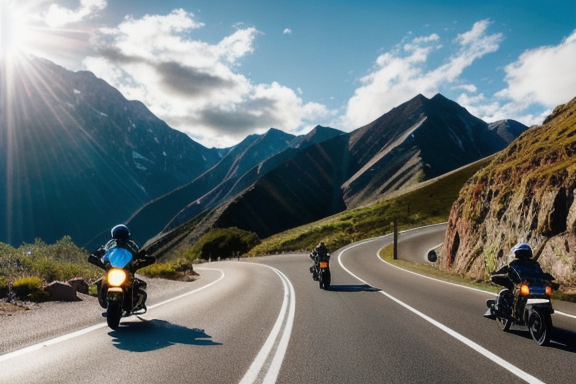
point(220, 70)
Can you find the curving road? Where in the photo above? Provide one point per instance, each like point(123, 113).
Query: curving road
point(264, 320)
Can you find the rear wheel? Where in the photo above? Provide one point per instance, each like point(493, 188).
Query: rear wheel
point(327, 279)
point(540, 326)
point(324, 280)
point(114, 314)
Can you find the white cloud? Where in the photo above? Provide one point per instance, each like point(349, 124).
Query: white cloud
point(58, 16)
point(538, 81)
point(545, 75)
point(193, 85)
point(287, 31)
point(403, 73)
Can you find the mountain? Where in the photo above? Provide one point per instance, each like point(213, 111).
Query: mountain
point(76, 157)
point(526, 194)
point(250, 160)
point(417, 141)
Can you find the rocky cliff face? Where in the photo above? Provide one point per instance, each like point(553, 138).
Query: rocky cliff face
point(526, 194)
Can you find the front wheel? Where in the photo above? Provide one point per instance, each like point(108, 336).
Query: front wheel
point(540, 326)
point(114, 314)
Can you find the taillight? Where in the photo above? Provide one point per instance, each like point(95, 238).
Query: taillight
point(323, 264)
point(548, 290)
point(524, 289)
point(116, 277)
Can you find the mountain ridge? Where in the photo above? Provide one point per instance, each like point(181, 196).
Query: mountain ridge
point(100, 159)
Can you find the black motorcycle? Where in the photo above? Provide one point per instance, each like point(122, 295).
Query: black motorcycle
point(524, 302)
point(321, 270)
point(119, 291)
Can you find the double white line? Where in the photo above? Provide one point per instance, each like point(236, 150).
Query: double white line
point(266, 365)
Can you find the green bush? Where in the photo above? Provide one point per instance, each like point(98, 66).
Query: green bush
point(162, 270)
point(29, 288)
point(223, 243)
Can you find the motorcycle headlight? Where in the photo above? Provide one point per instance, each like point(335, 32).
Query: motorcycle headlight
point(524, 290)
point(548, 290)
point(116, 277)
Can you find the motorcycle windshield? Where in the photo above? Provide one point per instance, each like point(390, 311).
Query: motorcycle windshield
point(117, 257)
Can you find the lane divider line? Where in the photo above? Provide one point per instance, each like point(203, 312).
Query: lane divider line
point(498, 360)
point(84, 331)
point(266, 366)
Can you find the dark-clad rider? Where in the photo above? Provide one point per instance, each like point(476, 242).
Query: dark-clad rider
point(319, 253)
point(523, 266)
point(121, 239)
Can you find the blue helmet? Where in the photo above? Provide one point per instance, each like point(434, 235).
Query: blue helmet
point(120, 231)
point(522, 251)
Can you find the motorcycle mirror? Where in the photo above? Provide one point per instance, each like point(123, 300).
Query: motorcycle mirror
point(432, 256)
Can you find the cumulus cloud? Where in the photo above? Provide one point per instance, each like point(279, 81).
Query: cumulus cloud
point(193, 85)
point(538, 81)
point(287, 31)
point(403, 73)
point(58, 16)
point(544, 75)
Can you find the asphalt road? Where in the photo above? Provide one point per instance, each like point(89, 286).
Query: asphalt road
point(266, 320)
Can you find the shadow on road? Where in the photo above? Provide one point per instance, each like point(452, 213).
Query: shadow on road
point(561, 339)
point(149, 335)
point(353, 288)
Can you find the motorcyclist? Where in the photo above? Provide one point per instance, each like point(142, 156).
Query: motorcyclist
point(121, 239)
point(319, 253)
point(522, 266)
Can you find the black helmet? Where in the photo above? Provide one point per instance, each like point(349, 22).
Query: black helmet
point(120, 231)
point(522, 251)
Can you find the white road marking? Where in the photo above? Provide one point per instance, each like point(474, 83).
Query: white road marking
point(84, 331)
point(498, 360)
point(267, 364)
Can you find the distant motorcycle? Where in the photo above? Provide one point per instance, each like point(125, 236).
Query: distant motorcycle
point(525, 302)
point(120, 292)
point(321, 270)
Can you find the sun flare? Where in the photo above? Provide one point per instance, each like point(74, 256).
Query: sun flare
point(13, 30)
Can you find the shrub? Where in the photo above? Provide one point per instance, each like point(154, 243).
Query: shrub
point(223, 243)
point(163, 270)
point(29, 288)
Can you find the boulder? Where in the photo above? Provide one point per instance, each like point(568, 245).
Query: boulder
point(61, 291)
point(79, 285)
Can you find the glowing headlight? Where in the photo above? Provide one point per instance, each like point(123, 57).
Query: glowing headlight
point(525, 289)
point(116, 277)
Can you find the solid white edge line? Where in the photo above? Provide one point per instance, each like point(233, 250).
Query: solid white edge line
point(84, 331)
point(498, 360)
point(286, 316)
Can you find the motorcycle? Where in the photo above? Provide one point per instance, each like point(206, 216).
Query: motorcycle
point(524, 302)
point(119, 291)
point(321, 271)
